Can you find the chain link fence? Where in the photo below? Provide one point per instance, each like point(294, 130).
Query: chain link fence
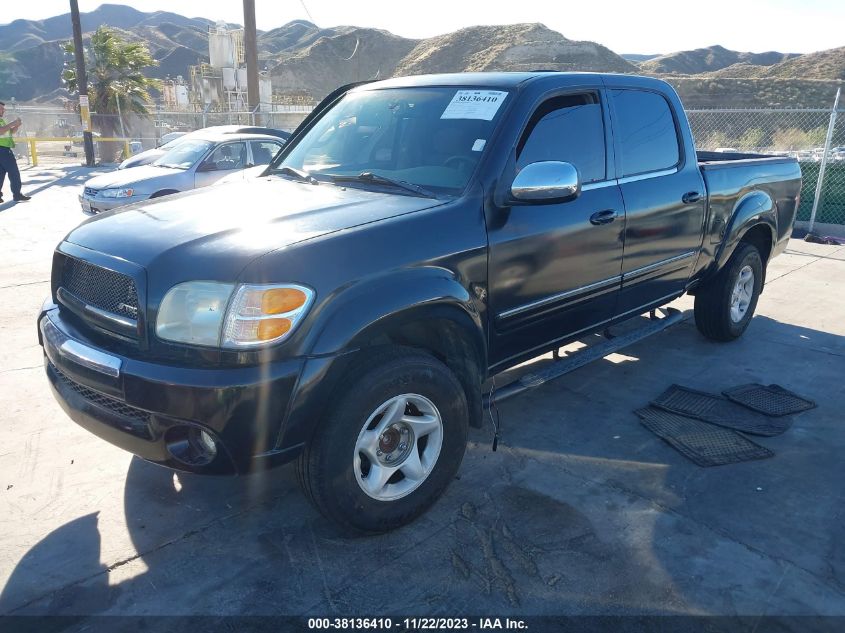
point(801, 133)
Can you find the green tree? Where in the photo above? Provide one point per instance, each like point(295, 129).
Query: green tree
point(790, 139)
point(816, 137)
point(116, 79)
point(752, 139)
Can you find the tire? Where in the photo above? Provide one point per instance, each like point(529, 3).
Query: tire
point(425, 412)
point(725, 306)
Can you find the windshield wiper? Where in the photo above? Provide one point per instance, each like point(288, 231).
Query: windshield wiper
point(302, 175)
point(368, 176)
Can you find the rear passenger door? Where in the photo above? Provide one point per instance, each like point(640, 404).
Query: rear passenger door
point(554, 269)
point(225, 159)
point(664, 198)
point(263, 152)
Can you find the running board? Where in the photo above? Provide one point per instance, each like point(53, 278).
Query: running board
point(582, 357)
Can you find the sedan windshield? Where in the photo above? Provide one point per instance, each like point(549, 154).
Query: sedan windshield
point(431, 137)
point(185, 154)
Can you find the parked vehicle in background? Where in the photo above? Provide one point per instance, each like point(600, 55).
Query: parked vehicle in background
point(191, 163)
point(150, 155)
point(249, 173)
point(415, 238)
point(837, 153)
point(170, 136)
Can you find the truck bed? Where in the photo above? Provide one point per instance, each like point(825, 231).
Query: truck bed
point(730, 176)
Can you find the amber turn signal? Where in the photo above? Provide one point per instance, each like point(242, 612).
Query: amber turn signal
point(269, 329)
point(281, 300)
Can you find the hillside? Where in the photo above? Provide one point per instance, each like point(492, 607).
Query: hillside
point(710, 59)
point(712, 92)
point(828, 64)
point(296, 35)
point(22, 34)
point(515, 47)
point(637, 57)
point(348, 55)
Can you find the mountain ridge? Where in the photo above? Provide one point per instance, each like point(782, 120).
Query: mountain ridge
point(307, 61)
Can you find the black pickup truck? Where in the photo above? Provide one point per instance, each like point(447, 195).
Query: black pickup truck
point(414, 238)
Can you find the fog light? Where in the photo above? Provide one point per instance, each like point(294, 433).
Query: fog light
point(191, 446)
point(203, 445)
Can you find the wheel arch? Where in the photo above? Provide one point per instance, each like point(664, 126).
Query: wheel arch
point(754, 221)
point(428, 310)
point(164, 192)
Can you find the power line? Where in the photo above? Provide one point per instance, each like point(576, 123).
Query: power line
point(307, 12)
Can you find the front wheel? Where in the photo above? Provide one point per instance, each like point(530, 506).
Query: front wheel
point(724, 307)
point(390, 444)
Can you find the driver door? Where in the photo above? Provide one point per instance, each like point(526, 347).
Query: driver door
point(222, 161)
point(555, 269)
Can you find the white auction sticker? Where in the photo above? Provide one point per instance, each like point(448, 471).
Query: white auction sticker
point(479, 144)
point(474, 104)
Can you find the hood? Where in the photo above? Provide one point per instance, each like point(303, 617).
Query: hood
point(219, 230)
point(142, 158)
point(130, 176)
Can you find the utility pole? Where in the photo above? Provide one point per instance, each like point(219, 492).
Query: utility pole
point(251, 54)
point(82, 84)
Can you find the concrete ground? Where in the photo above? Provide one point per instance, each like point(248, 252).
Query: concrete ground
point(580, 511)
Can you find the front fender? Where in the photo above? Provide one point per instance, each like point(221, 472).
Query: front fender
point(755, 208)
point(357, 313)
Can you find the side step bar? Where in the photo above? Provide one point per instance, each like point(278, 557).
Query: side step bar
point(582, 357)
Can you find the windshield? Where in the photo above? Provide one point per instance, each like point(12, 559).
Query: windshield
point(431, 137)
point(185, 154)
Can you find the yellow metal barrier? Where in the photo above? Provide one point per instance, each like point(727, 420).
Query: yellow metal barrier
point(33, 150)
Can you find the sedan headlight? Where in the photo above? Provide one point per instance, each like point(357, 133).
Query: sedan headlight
point(117, 193)
point(196, 312)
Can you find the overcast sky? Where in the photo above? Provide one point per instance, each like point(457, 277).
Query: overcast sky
point(625, 26)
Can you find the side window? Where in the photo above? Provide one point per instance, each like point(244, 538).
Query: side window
point(570, 129)
point(228, 156)
point(648, 140)
point(263, 151)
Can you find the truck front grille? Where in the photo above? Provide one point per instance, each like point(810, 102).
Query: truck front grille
point(100, 287)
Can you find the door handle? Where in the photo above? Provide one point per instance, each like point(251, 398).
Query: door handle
point(690, 197)
point(603, 217)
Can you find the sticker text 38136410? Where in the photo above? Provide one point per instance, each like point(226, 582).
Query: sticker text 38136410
point(474, 104)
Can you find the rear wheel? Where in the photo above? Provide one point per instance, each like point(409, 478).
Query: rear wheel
point(390, 444)
point(725, 306)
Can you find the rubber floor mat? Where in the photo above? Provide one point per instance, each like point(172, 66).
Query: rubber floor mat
point(702, 443)
point(773, 400)
point(717, 410)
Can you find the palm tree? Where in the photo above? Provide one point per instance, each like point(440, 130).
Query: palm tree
point(117, 83)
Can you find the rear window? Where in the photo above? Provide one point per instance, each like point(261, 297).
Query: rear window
point(645, 129)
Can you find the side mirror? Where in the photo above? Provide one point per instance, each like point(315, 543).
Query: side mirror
point(206, 166)
point(546, 182)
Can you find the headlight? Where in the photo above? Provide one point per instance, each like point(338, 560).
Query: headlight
point(195, 312)
point(117, 193)
point(265, 314)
